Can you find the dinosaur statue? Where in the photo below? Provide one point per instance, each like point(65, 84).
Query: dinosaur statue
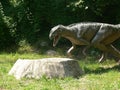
point(99, 35)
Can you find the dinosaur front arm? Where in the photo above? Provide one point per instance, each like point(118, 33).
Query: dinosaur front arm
point(103, 57)
point(70, 51)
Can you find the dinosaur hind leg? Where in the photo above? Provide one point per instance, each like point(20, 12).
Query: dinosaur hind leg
point(109, 49)
point(84, 50)
point(102, 58)
point(114, 51)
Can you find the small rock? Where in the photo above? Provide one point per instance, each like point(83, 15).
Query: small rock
point(51, 53)
point(43, 44)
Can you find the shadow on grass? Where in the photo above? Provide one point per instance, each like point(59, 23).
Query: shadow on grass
point(101, 70)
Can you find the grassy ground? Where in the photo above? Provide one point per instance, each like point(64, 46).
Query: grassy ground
point(104, 76)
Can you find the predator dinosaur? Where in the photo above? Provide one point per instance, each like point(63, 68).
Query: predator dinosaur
point(99, 35)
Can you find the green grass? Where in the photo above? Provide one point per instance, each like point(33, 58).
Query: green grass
point(104, 76)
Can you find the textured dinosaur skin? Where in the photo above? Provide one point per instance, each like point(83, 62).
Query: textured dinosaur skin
point(99, 35)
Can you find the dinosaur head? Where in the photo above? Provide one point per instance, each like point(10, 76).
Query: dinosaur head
point(55, 34)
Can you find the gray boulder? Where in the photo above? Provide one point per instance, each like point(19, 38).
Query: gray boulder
point(50, 67)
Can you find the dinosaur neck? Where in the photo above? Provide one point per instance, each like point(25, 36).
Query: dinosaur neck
point(70, 35)
point(66, 32)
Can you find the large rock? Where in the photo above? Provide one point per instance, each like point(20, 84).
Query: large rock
point(50, 67)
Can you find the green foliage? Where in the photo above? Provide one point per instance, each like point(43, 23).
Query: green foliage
point(31, 20)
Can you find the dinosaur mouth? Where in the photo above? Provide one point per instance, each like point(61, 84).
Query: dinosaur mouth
point(56, 39)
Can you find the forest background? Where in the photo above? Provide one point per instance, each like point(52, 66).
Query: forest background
point(29, 21)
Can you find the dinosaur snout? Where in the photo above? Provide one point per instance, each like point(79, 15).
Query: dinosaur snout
point(50, 36)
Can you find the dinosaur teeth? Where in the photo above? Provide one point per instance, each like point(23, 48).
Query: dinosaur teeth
point(56, 39)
